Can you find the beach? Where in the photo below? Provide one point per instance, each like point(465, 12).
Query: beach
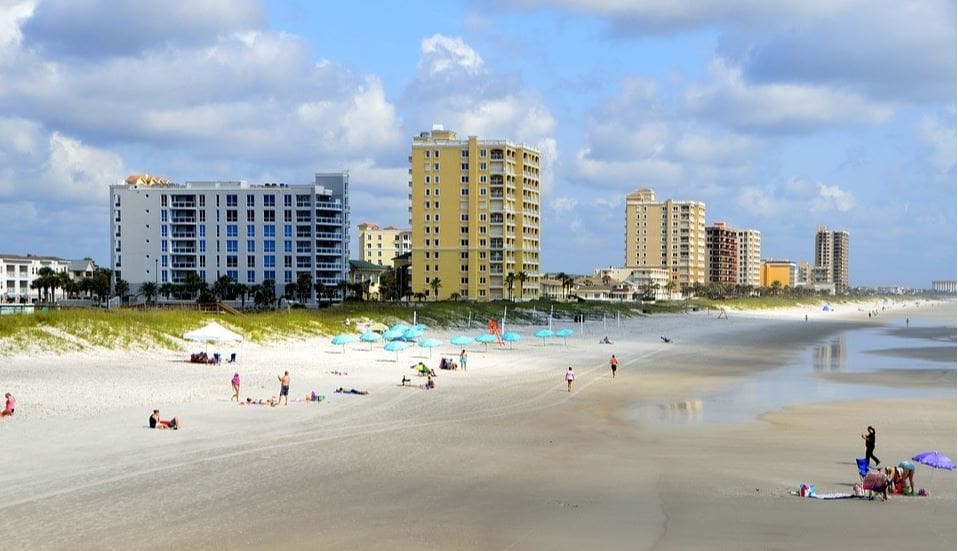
point(696, 443)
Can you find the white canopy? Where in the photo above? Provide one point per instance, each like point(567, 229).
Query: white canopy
point(212, 332)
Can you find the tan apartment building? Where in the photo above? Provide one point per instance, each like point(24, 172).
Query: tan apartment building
point(831, 258)
point(381, 245)
point(474, 214)
point(666, 234)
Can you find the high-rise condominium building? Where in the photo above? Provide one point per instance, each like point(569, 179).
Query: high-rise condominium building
point(666, 234)
point(474, 214)
point(381, 245)
point(749, 257)
point(162, 232)
point(831, 258)
point(721, 245)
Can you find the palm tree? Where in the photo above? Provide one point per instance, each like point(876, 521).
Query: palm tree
point(522, 277)
point(419, 296)
point(122, 289)
point(148, 290)
point(192, 283)
point(241, 290)
point(304, 283)
point(776, 287)
point(223, 287)
point(435, 284)
point(510, 280)
point(670, 287)
point(561, 276)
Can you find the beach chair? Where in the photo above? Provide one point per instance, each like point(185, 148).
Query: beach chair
point(862, 466)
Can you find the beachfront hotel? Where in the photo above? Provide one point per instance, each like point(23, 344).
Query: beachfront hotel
point(381, 245)
point(783, 272)
point(831, 259)
point(162, 232)
point(474, 214)
point(721, 245)
point(749, 257)
point(666, 234)
point(20, 271)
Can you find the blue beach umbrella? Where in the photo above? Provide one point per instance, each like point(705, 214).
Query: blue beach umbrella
point(420, 326)
point(430, 344)
point(411, 334)
point(370, 337)
point(564, 333)
point(392, 335)
point(395, 346)
point(461, 341)
point(510, 338)
point(399, 327)
point(485, 339)
point(544, 334)
point(342, 340)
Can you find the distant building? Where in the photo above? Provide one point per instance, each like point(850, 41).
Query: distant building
point(20, 271)
point(162, 232)
point(804, 278)
point(381, 245)
point(781, 271)
point(944, 285)
point(721, 246)
point(668, 235)
point(831, 259)
point(749, 257)
point(367, 273)
point(474, 214)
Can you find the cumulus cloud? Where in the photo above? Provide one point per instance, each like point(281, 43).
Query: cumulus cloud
point(444, 54)
point(832, 198)
point(788, 108)
point(938, 137)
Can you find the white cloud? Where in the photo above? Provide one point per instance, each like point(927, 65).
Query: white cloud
point(729, 99)
point(939, 137)
point(832, 198)
point(563, 205)
point(443, 54)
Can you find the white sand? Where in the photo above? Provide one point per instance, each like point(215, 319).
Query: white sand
point(499, 456)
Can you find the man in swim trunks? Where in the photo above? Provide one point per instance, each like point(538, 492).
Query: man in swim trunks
point(10, 407)
point(613, 363)
point(284, 388)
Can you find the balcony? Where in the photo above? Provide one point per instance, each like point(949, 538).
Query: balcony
point(329, 220)
point(183, 235)
point(328, 235)
point(330, 250)
point(329, 266)
point(182, 249)
point(327, 205)
point(183, 219)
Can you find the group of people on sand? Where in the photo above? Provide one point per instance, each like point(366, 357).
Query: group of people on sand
point(899, 479)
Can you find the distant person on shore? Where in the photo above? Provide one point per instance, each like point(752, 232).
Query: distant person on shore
point(463, 358)
point(11, 405)
point(236, 387)
point(405, 380)
point(283, 388)
point(869, 438)
point(614, 364)
point(907, 321)
point(806, 317)
point(905, 475)
point(341, 390)
point(157, 423)
point(605, 340)
point(430, 384)
point(569, 377)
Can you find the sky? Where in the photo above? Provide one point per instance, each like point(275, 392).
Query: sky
point(779, 115)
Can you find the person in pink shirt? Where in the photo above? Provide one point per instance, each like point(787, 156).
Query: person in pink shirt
point(236, 387)
point(11, 406)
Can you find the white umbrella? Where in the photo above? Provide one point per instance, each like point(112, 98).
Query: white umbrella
point(212, 332)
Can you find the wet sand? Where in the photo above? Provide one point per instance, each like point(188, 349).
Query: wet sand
point(499, 457)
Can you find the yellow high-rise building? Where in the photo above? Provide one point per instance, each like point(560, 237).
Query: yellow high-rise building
point(666, 234)
point(381, 245)
point(474, 214)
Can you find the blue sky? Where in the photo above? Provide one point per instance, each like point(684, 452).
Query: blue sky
point(780, 115)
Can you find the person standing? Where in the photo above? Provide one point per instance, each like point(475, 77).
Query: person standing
point(463, 359)
point(236, 387)
point(284, 388)
point(870, 445)
point(10, 406)
point(614, 364)
point(569, 377)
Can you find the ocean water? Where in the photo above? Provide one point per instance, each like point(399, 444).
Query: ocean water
point(802, 380)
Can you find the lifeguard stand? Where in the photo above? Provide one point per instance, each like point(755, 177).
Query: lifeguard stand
point(494, 329)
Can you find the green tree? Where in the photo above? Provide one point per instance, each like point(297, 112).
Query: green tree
point(122, 289)
point(670, 287)
point(389, 285)
point(522, 277)
point(192, 284)
point(148, 290)
point(434, 284)
point(304, 285)
point(510, 280)
point(223, 287)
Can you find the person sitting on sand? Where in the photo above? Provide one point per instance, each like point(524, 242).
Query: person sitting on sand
point(430, 384)
point(10, 406)
point(903, 477)
point(665, 339)
point(157, 423)
point(341, 390)
point(404, 381)
point(605, 340)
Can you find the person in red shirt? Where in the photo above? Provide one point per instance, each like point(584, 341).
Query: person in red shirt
point(11, 406)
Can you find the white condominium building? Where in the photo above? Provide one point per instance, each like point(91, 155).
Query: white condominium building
point(19, 272)
point(749, 257)
point(162, 232)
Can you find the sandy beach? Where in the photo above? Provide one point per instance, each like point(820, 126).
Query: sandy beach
point(695, 444)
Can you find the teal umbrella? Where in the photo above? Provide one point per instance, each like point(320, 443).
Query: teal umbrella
point(430, 344)
point(343, 340)
point(485, 339)
point(420, 326)
point(461, 341)
point(564, 333)
point(544, 334)
point(510, 338)
point(370, 337)
point(399, 327)
point(395, 346)
point(411, 334)
point(392, 334)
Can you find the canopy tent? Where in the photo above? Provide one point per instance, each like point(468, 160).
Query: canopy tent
point(213, 332)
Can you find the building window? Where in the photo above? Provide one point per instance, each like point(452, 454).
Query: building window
point(269, 261)
point(232, 231)
point(250, 246)
point(250, 215)
point(464, 153)
point(251, 276)
point(464, 166)
point(233, 275)
point(288, 230)
point(250, 261)
point(232, 216)
point(269, 200)
point(250, 200)
point(269, 230)
point(269, 246)
point(231, 261)
point(464, 179)
point(231, 246)
point(250, 231)
point(230, 200)
point(269, 216)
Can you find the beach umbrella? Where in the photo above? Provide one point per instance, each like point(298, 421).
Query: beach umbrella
point(411, 334)
point(395, 346)
point(936, 460)
point(399, 327)
point(564, 333)
point(461, 340)
point(370, 337)
point(430, 344)
point(392, 335)
point(544, 334)
point(379, 327)
point(510, 338)
point(420, 326)
point(485, 339)
point(342, 340)
point(212, 332)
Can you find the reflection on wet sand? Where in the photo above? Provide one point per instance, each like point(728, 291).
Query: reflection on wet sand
point(831, 356)
point(680, 411)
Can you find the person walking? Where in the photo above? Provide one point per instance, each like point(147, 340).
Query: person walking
point(569, 377)
point(870, 446)
point(613, 363)
point(283, 388)
point(463, 358)
point(236, 387)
